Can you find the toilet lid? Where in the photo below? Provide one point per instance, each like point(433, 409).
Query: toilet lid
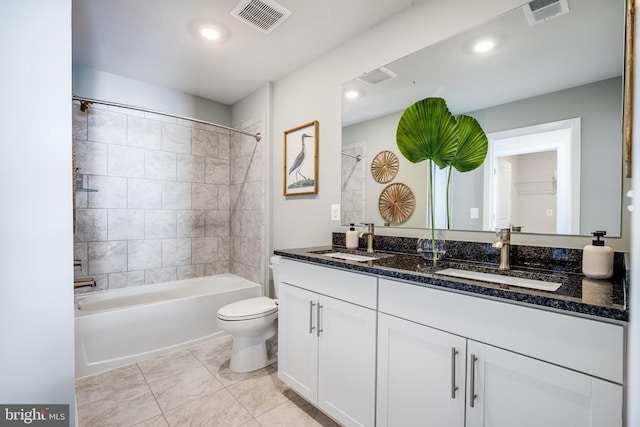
point(248, 309)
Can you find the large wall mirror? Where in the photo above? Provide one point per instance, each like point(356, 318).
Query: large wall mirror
point(549, 95)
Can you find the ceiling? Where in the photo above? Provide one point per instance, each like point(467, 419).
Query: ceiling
point(155, 41)
point(582, 46)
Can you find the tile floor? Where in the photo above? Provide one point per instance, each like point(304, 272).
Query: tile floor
point(192, 387)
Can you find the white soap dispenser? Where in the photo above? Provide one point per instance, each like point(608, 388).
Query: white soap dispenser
point(597, 259)
point(352, 237)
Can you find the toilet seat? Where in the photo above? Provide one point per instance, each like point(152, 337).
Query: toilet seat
point(252, 308)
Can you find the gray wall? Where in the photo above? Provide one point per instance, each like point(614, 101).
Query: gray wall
point(600, 107)
point(36, 293)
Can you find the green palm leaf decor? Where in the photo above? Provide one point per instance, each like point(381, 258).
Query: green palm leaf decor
point(428, 131)
point(473, 145)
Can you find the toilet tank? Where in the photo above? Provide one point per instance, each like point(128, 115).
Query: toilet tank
point(275, 267)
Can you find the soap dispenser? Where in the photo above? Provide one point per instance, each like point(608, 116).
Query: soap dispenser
point(352, 237)
point(597, 259)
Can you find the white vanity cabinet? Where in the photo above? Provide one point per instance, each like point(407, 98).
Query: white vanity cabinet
point(421, 375)
point(449, 359)
point(327, 339)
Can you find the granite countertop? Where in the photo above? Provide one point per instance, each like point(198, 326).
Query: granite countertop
point(605, 299)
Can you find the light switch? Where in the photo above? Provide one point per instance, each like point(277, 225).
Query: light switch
point(474, 213)
point(335, 212)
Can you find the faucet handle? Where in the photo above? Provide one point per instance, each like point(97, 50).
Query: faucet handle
point(503, 233)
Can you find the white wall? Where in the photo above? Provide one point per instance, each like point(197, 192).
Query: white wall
point(36, 310)
point(313, 93)
point(103, 86)
point(633, 340)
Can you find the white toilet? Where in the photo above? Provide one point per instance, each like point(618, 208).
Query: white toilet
point(253, 325)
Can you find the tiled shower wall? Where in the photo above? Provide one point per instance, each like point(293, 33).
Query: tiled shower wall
point(168, 192)
point(353, 184)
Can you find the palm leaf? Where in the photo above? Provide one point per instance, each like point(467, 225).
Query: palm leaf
point(428, 130)
point(472, 145)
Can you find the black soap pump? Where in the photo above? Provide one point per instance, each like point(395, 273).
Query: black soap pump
point(597, 259)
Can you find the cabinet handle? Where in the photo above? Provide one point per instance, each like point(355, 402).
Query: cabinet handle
point(319, 307)
point(453, 372)
point(311, 327)
point(472, 391)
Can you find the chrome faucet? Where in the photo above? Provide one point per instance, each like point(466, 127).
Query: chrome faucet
point(504, 244)
point(369, 233)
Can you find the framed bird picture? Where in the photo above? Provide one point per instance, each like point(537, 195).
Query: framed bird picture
point(301, 160)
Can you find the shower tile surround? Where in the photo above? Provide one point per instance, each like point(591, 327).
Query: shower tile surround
point(175, 199)
point(354, 184)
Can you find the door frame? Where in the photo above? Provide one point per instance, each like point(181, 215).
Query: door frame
point(501, 144)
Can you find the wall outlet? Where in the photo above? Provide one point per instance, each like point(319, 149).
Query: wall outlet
point(335, 212)
point(474, 213)
point(549, 212)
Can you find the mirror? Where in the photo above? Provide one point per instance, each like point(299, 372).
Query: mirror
point(564, 69)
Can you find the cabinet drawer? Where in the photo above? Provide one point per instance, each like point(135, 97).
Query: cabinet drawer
point(352, 287)
point(586, 345)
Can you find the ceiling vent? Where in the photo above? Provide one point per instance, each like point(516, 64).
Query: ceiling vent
point(377, 76)
point(264, 15)
point(542, 10)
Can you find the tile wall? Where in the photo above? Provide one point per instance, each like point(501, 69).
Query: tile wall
point(169, 192)
point(353, 184)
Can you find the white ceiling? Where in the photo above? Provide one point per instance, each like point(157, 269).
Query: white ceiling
point(154, 41)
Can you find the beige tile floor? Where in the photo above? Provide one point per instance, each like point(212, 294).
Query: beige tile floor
point(192, 387)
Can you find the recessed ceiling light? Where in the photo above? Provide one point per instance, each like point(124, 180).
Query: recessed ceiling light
point(351, 94)
point(210, 33)
point(484, 46)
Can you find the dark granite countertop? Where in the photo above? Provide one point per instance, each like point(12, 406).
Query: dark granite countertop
point(604, 299)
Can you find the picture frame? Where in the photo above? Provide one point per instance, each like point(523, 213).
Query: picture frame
point(629, 87)
point(301, 160)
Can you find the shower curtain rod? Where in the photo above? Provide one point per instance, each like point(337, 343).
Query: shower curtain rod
point(357, 157)
point(257, 136)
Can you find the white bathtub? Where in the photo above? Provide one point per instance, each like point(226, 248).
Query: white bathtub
point(120, 326)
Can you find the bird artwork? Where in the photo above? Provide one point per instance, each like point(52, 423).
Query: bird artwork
point(297, 166)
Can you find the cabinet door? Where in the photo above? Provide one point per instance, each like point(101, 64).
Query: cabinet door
point(298, 340)
point(421, 375)
point(514, 390)
point(347, 362)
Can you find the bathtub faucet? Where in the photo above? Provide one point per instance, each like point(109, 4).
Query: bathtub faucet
point(84, 282)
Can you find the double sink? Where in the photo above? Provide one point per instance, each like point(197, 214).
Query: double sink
point(522, 279)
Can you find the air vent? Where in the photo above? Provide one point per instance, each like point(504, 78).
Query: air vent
point(377, 76)
point(542, 10)
point(264, 15)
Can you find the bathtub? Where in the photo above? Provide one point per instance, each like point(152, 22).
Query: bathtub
point(121, 326)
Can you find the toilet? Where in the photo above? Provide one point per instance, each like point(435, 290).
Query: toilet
point(253, 325)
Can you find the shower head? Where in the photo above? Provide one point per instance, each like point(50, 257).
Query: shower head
point(84, 105)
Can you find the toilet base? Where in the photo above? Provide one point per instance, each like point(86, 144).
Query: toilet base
point(250, 353)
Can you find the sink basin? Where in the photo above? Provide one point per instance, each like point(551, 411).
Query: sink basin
point(502, 280)
point(350, 257)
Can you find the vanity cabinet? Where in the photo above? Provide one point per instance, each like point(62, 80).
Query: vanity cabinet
point(327, 339)
point(448, 359)
point(430, 375)
point(421, 375)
